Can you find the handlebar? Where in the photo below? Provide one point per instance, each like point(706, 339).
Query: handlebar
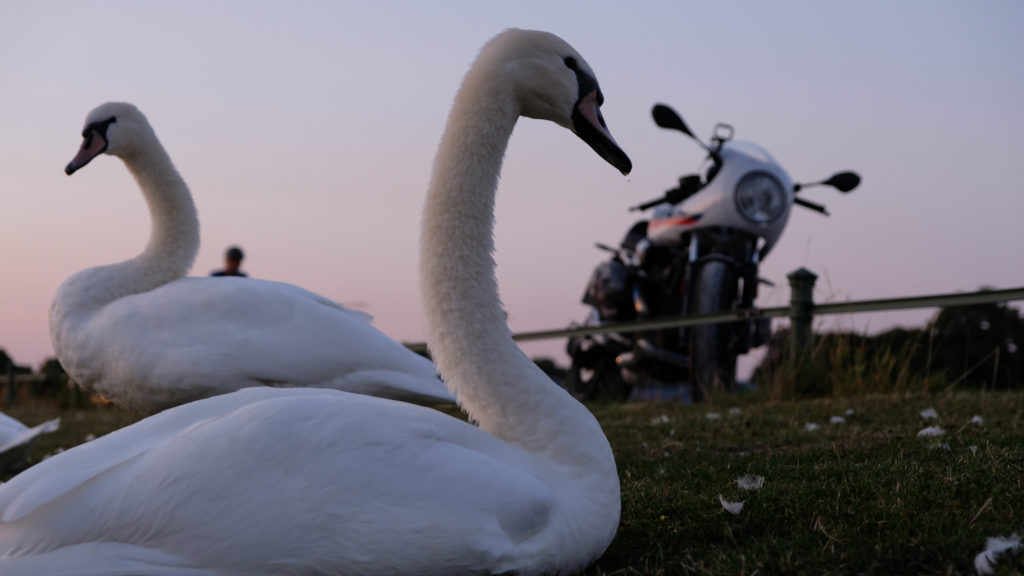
point(688, 186)
point(649, 204)
point(668, 197)
point(811, 205)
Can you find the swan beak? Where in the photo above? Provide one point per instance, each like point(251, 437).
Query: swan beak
point(93, 145)
point(588, 124)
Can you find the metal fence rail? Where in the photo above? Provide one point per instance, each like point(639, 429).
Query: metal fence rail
point(936, 301)
point(801, 311)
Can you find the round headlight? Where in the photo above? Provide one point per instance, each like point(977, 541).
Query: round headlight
point(760, 197)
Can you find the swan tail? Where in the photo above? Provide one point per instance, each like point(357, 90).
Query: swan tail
point(29, 434)
point(395, 386)
point(14, 453)
point(101, 559)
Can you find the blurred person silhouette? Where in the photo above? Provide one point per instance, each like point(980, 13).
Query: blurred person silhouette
point(232, 263)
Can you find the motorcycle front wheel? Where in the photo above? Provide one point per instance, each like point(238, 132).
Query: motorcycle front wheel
point(713, 346)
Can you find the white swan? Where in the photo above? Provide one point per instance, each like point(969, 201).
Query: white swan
point(147, 338)
point(310, 481)
point(16, 440)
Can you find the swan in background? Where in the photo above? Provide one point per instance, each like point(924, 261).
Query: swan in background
point(311, 481)
point(16, 440)
point(147, 338)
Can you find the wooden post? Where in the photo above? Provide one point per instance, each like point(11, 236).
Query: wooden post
point(801, 313)
point(10, 383)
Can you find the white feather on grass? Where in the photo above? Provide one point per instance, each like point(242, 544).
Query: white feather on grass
point(977, 420)
point(929, 414)
point(931, 431)
point(663, 419)
point(750, 482)
point(837, 420)
point(735, 411)
point(849, 411)
point(811, 426)
point(732, 507)
point(985, 562)
point(712, 415)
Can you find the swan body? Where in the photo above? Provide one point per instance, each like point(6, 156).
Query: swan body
point(233, 485)
point(312, 481)
point(16, 440)
point(147, 338)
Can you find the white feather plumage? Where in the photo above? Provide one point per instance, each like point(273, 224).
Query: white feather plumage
point(267, 481)
point(731, 507)
point(750, 482)
point(986, 560)
point(147, 338)
point(16, 440)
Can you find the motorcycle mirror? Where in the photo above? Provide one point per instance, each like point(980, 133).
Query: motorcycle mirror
point(843, 181)
point(666, 117)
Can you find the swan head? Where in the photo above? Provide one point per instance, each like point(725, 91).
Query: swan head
point(114, 128)
point(553, 82)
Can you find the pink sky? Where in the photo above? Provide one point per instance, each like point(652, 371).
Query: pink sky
point(306, 131)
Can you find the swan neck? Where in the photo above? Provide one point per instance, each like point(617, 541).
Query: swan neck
point(173, 240)
point(174, 236)
point(498, 386)
point(463, 311)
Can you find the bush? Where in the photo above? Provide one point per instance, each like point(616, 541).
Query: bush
point(965, 346)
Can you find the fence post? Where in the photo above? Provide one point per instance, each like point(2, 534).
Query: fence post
point(801, 312)
point(10, 383)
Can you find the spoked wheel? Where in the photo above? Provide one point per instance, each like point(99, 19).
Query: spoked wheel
point(713, 346)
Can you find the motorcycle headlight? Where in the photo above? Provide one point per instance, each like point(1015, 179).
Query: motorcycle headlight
point(760, 197)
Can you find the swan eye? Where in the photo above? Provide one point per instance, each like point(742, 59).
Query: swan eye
point(99, 127)
point(571, 63)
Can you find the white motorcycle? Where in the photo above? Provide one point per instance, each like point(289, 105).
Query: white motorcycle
point(698, 253)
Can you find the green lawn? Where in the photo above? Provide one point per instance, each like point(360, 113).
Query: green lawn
point(867, 496)
point(864, 497)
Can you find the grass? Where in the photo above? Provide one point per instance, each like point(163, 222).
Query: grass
point(864, 497)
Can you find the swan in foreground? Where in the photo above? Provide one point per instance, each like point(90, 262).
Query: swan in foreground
point(311, 481)
point(16, 440)
point(147, 338)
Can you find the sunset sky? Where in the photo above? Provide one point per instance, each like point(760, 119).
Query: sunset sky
point(306, 132)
